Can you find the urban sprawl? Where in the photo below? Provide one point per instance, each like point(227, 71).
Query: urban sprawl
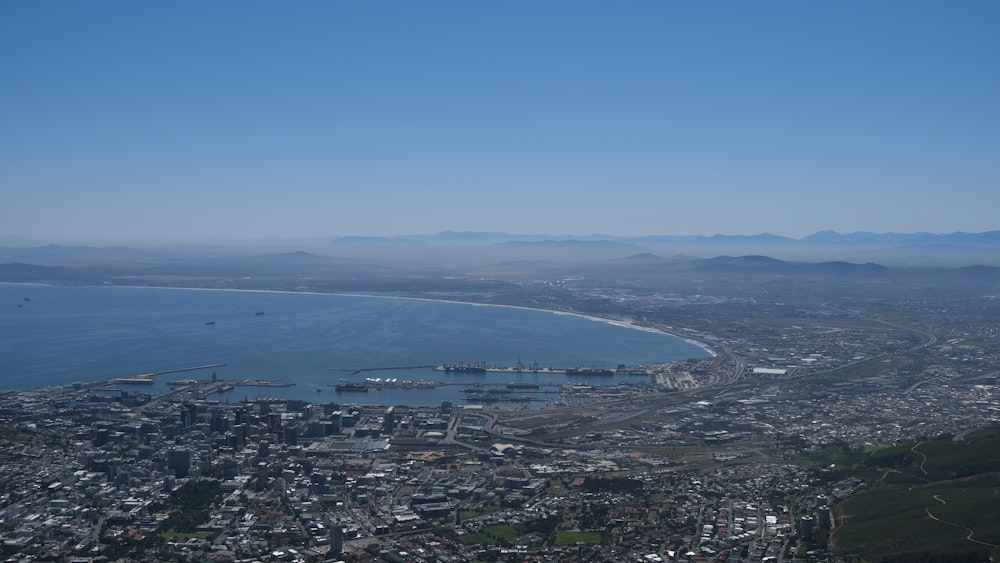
point(722, 459)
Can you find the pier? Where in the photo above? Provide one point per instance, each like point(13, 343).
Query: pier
point(179, 370)
point(147, 378)
point(485, 368)
point(480, 367)
point(534, 368)
point(355, 371)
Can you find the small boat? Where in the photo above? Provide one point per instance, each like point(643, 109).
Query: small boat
point(210, 323)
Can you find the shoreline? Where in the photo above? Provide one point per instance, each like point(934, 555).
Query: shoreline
point(624, 324)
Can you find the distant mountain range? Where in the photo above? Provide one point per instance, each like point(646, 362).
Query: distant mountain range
point(896, 249)
point(239, 270)
point(986, 238)
point(957, 238)
point(459, 249)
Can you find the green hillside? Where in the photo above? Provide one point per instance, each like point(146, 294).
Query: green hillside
point(935, 501)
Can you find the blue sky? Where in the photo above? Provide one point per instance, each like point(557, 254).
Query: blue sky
point(140, 121)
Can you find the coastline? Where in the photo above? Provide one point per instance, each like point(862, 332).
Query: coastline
point(624, 324)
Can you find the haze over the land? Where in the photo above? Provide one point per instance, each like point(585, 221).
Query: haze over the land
point(131, 123)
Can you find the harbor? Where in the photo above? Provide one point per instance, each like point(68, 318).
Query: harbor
point(198, 387)
point(375, 390)
point(526, 386)
point(579, 371)
point(319, 349)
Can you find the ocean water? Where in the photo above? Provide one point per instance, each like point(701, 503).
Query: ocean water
point(52, 335)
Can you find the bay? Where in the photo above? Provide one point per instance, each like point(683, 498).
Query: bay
point(56, 335)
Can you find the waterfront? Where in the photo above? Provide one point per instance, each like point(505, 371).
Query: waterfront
point(54, 335)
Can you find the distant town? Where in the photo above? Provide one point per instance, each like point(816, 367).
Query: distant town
point(851, 413)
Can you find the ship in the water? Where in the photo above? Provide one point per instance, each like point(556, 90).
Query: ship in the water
point(351, 388)
point(586, 372)
point(462, 368)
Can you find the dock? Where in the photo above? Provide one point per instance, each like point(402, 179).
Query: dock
point(479, 368)
point(355, 371)
point(535, 369)
point(147, 378)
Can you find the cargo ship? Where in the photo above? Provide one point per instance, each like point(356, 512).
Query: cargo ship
point(586, 372)
point(462, 368)
point(351, 388)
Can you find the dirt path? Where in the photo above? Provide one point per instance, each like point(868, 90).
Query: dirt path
point(970, 530)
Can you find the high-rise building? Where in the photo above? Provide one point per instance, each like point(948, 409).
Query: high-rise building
point(806, 524)
point(189, 415)
point(262, 476)
point(823, 517)
point(315, 429)
point(336, 539)
point(274, 422)
point(389, 421)
point(218, 422)
point(179, 460)
point(241, 431)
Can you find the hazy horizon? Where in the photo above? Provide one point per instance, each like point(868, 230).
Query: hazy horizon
point(139, 122)
point(446, 236)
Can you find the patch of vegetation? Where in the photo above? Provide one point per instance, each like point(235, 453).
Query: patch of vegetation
point(834, 454)
point(900, 457)
point(564, 538)
point(895, 477)
point(612, 484)
point(895, 521)
point(932, 497)
point(981, 434)
point(950, 460)
point(498, 534)
point(503, 534)
point(467, 514)
point(10, 434)
point(189, 506)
